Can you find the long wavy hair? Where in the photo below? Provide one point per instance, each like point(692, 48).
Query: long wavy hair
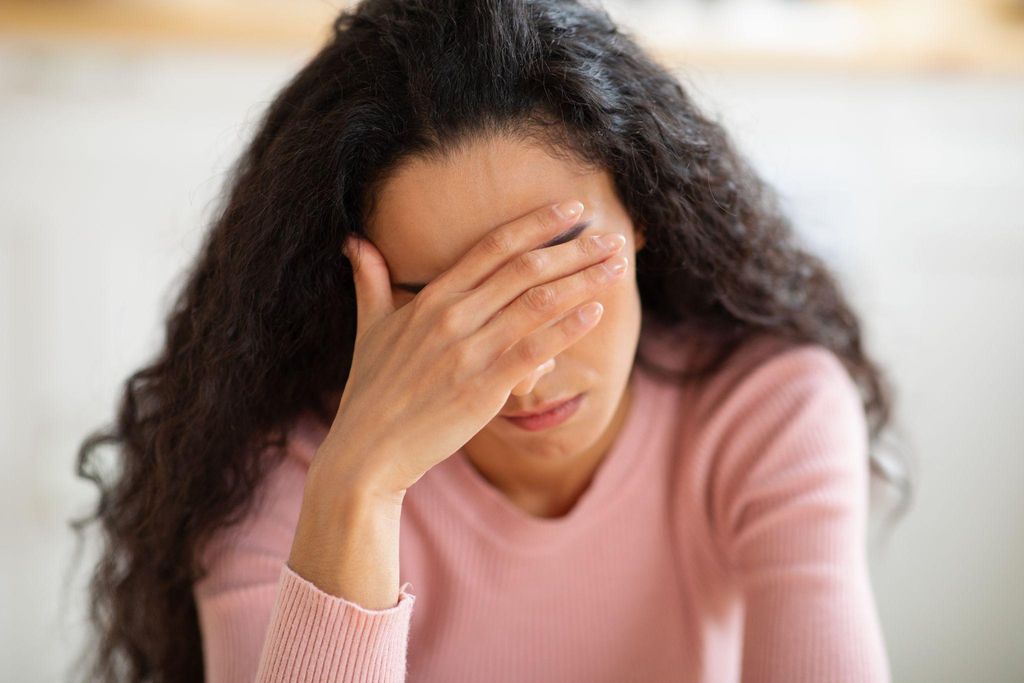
point(263, 326)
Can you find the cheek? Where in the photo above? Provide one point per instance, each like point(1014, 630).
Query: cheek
point(621, 302)
point(625, 320)
point(619, 326)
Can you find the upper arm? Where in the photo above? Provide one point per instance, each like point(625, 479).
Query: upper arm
point(790, 506)
point(235, 598)
point(260, 621)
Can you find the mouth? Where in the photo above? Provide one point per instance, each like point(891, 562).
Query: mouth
point(541, 408)
point(546, 415)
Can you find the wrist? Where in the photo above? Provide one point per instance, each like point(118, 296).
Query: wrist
point(346, 541)
point(352, 481)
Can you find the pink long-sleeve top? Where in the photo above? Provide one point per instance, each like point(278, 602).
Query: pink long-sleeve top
point(722, 538)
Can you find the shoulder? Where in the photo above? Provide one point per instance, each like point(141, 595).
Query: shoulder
point(777, 422)
point(764, 382)
point(768, 380)
point(253, 548)
point(765, 373)
point(785, 442)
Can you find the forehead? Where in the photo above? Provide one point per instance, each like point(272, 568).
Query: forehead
point(429, 212)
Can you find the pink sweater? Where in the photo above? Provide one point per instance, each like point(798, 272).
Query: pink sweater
point(721, 539)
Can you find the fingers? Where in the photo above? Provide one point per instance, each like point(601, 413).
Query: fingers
point(533, 268)
point(505, 242)
point(548, 342)
point(540, 305)
point(372, 282)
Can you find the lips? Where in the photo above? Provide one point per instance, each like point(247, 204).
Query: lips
point(542, 408)
point(550, 418)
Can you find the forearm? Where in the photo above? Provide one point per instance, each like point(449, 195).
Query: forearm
point(347, 540)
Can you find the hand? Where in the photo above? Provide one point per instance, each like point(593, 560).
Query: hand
point(427, 376)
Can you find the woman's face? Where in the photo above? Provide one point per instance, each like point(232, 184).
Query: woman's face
point(428, 214)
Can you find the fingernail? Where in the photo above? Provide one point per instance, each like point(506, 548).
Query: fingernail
point(616, 266)
point(589, 313)
point(569, 209)
point(612, 241)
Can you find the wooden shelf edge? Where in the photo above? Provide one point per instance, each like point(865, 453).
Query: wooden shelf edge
point(157, 27)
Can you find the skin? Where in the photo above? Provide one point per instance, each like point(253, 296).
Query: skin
point(429, 213)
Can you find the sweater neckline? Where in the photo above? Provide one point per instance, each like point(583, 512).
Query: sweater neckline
point(500, 520)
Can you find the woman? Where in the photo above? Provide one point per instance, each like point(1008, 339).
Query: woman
point(694, 506)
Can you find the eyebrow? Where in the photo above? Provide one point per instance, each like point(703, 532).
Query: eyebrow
point(570, 234)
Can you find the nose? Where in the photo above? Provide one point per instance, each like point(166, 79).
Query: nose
point(526, 385)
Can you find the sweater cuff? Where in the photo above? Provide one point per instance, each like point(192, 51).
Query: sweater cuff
point(316, 636)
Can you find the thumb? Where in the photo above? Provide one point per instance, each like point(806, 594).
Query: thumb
point(372, 282)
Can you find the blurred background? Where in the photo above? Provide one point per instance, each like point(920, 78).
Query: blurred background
point(894, 132)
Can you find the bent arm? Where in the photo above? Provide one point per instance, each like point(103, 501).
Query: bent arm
point(263, 620)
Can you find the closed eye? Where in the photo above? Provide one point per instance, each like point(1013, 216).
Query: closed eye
point(570, 234)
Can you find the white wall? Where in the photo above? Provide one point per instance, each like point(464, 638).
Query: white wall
point(910, 185)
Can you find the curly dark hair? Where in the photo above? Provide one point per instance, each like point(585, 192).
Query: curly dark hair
point(263, 327)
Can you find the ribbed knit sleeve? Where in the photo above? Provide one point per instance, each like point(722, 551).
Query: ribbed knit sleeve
point(790, 502)
point(261, 621)
point(314, 636)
